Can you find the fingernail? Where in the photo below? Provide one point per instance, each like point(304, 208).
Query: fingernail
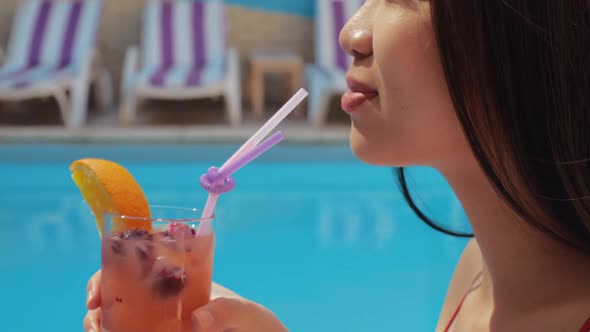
point(203, 320)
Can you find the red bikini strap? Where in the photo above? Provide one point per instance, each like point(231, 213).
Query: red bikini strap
point(457, 312)
point(474, 286)
point(585, 327)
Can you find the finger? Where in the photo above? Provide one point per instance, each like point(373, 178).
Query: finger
point(93, 292)
point(92, 321)
point(235, 314)
point(219, 315)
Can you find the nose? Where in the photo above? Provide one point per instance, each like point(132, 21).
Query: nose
point(356, 38)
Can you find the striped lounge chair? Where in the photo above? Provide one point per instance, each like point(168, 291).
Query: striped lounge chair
point(52, 53)
point(327, 76)
point(183, 55)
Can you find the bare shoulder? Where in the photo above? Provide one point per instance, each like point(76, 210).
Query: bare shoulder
point(467, 268)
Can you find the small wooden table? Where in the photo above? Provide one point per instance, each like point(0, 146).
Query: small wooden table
point(274, 62)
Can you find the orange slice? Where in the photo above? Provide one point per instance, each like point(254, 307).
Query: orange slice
point(108, 187)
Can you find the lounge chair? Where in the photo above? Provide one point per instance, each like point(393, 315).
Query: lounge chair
point(52, 53)
point(183, 55)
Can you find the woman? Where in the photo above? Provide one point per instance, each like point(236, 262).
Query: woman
point(496, 96)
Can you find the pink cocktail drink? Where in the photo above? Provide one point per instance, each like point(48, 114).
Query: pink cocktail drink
point(152, 280)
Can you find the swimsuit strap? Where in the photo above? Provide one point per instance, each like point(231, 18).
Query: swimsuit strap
point(457, 313)
point(585, 327)
point(474, 286)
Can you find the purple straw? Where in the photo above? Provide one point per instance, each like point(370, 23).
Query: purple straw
point(252, 154)
point(217, 181)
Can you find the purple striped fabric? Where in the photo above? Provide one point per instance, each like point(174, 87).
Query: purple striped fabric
point(36, 70)
point(36, 41)
point(193, 68)
point(167, 45)
point(22, 77)
point(70, 36)
point(339, 22)
point(194, 76)
point(26, 82)
point(198, 34)
point(38, 33)
point(21, 81)
point(20, 85)
point(15, 73)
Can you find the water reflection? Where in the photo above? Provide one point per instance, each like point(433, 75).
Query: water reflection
point(63, 223)
point(58, 225)
point(338, 225)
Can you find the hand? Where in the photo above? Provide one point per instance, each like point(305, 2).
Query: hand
point(227, 312)
point(92, 319)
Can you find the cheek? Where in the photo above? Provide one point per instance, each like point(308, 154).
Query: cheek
point(378, 138)
point(415, 123)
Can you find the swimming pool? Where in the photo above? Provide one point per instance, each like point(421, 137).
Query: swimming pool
point(320, 238)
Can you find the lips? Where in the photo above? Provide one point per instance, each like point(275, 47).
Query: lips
point(356, 96)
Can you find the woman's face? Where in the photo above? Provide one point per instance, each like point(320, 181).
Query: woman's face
point(401, 110)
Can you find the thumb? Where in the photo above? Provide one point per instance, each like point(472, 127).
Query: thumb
point(220, 315)
point(235, 315)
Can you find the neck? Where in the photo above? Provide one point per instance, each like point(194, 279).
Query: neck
point(524, 270)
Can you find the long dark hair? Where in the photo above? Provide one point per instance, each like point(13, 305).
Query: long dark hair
point(518, 72)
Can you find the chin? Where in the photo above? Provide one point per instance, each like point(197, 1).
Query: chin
point(378, 151)
point(365, 151)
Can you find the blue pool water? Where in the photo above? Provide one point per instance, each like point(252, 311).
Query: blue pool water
point(320, 238)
